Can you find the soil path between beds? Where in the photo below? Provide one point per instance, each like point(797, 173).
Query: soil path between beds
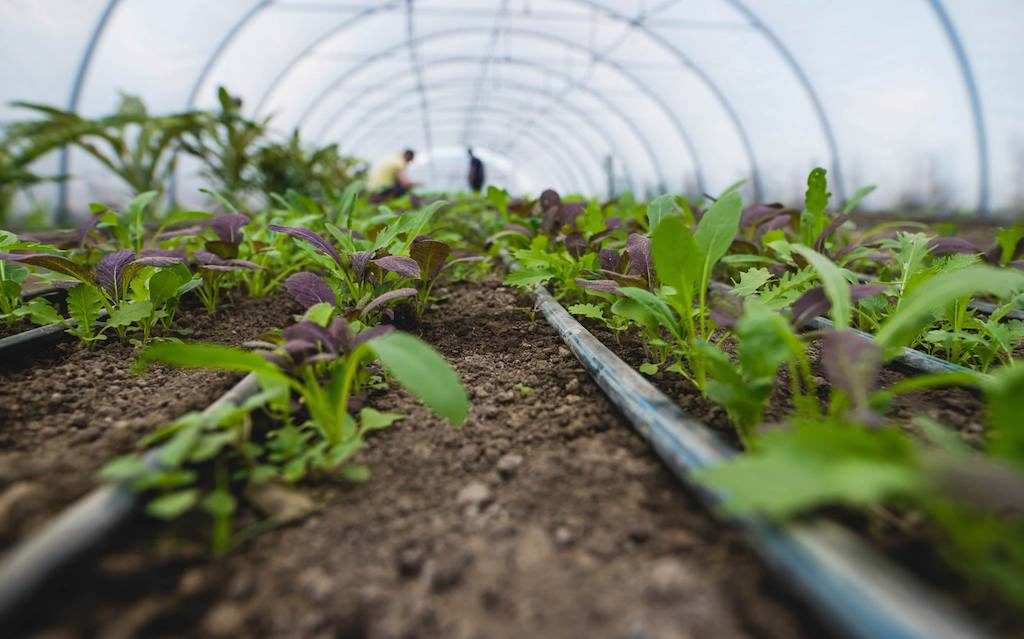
point(66, 411)
point(544, 516)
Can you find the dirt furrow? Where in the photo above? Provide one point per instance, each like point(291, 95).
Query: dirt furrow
point(544, 516)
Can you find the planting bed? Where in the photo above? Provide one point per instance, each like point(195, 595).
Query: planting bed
point(903, 537)
point(956, 407)
point(544, 515)
point(66, 411)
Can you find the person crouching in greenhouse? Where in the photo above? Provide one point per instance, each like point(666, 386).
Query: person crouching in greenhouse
point(388, 178)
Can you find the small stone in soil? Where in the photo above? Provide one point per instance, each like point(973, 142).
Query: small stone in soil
point(449, 572)
point(225, 620)
point(410, 561)
point(474, 493)
point(283, 505)
point(122, 564)
point(192, 582)
point(316, 583)
point(534, 549)
point(508, 464)
point(669, 580)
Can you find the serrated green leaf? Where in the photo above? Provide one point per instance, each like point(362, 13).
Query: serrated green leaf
point(751, 280)
point(210, 445)
point(919, 308)
point(592, 220)
point(647, 368)
point(498, 198)
point(1008, 239)
point(527, 278)
point(84, 308)
point(347, 202)
point(813, 220)
point(183, 217)
point(635, 312)
point(592, 311)
point(42, 312)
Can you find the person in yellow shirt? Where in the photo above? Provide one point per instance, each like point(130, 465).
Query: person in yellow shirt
point(388, 178)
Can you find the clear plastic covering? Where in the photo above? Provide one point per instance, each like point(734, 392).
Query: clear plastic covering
point(922, 97)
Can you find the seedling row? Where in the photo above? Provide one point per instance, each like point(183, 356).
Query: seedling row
point(745, 304)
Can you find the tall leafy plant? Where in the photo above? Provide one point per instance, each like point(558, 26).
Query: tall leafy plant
point(132, 144)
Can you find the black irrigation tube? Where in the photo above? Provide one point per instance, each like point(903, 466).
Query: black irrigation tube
point(15, 345)
point(82, 526)
point(853, 587)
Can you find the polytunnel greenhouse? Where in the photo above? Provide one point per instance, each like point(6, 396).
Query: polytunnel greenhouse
point(553, 318)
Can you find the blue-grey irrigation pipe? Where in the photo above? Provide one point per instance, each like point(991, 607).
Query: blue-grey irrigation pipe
point(908, 358)
point(82, 527)
point(850, 585)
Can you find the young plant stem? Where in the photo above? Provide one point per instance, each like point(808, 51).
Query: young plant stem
point(220, 541)
point(352, 362)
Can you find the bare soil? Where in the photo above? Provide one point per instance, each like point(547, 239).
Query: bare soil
point(68, 409)
point(6, 330)
point(545, 515)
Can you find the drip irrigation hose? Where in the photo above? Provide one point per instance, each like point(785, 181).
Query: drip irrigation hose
point(14, 345)
point(987, 308)
point(909, 359)
point(18, 343)
point(46, 291)
point(82, 526)
point(978, 306)
point(848, 583)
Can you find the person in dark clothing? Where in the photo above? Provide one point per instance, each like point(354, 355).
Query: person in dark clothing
point(476, 172)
